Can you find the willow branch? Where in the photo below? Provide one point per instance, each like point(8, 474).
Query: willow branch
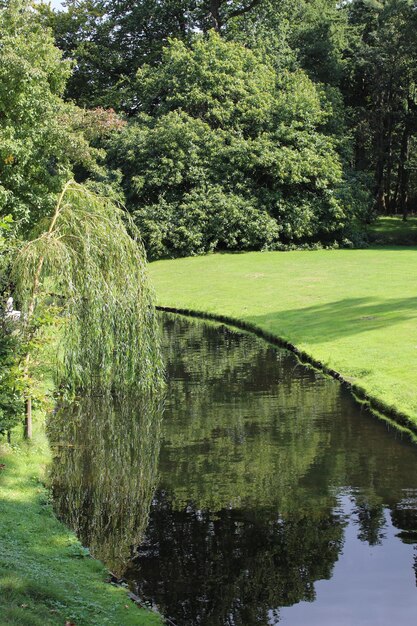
point(37, 276)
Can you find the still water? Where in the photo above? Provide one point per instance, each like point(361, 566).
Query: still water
point(267, 496)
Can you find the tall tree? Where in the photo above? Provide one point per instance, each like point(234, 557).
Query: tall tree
point(227, 153)
point(38, 141)
point(111, 40)
point(380, 88)
point(110, 333)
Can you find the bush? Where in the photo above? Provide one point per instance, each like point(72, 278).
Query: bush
point(206, 219)
point(11, 381)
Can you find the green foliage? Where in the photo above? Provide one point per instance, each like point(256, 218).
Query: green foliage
point(11, 379)
point(98, 269)
point(111, 41)
point(6, 224)
point(38, 140)
point(205, 219)
point(380, 89)
point(227, 153)
point(11, 383)
point(366, 51)
point(359, 55)
point(219, 82)
point(319, 34)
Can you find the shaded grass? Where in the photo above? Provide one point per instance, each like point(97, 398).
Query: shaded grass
point(355, 311)
point(46, 576)
point(393, 230)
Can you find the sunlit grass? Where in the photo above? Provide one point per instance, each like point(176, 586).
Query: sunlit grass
point(353, 310)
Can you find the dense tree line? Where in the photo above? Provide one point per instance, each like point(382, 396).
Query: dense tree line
point(160, 65)
point(226, 153)
point(250, 123)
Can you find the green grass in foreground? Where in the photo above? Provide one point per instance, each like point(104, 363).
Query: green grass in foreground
point(394, 231)
point(353, 310)
point(46, 577)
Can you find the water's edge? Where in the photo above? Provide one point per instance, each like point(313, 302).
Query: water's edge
point(401, 421)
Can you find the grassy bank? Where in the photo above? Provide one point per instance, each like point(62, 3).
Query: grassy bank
point(46, 577)
point(355, 311)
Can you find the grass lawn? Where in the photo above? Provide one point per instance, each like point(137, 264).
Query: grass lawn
point(46, 577)
point(353, 310)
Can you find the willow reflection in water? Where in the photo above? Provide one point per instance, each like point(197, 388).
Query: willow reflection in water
point(104, 471)
point(274, 485)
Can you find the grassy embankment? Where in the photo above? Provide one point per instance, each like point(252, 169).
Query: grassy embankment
point(46, 577)
point(354, 311)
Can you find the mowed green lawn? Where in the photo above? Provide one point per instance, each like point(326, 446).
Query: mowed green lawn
point(353, 310)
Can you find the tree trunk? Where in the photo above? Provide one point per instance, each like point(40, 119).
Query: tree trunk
point(218, 20)
point(403, 174)
point(396, 192)
point(383, 147)
point(215, 14)
point(182, 23)
point(380, 203)
point(28, 419)
point(388, 159)
point(379, 192)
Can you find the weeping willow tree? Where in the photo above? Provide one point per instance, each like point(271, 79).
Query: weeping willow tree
point(91, 254)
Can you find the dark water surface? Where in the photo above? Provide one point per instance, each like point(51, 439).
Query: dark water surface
point(275, 500)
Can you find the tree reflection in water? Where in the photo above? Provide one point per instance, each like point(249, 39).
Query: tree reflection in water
point(232, 568)
point(104, 471)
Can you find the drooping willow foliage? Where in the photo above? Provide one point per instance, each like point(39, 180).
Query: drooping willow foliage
point(90, 256)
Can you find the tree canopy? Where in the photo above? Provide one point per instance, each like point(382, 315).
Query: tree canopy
point(64, 247)
point(227, 153)
point(361, 55)
point(39, 141)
